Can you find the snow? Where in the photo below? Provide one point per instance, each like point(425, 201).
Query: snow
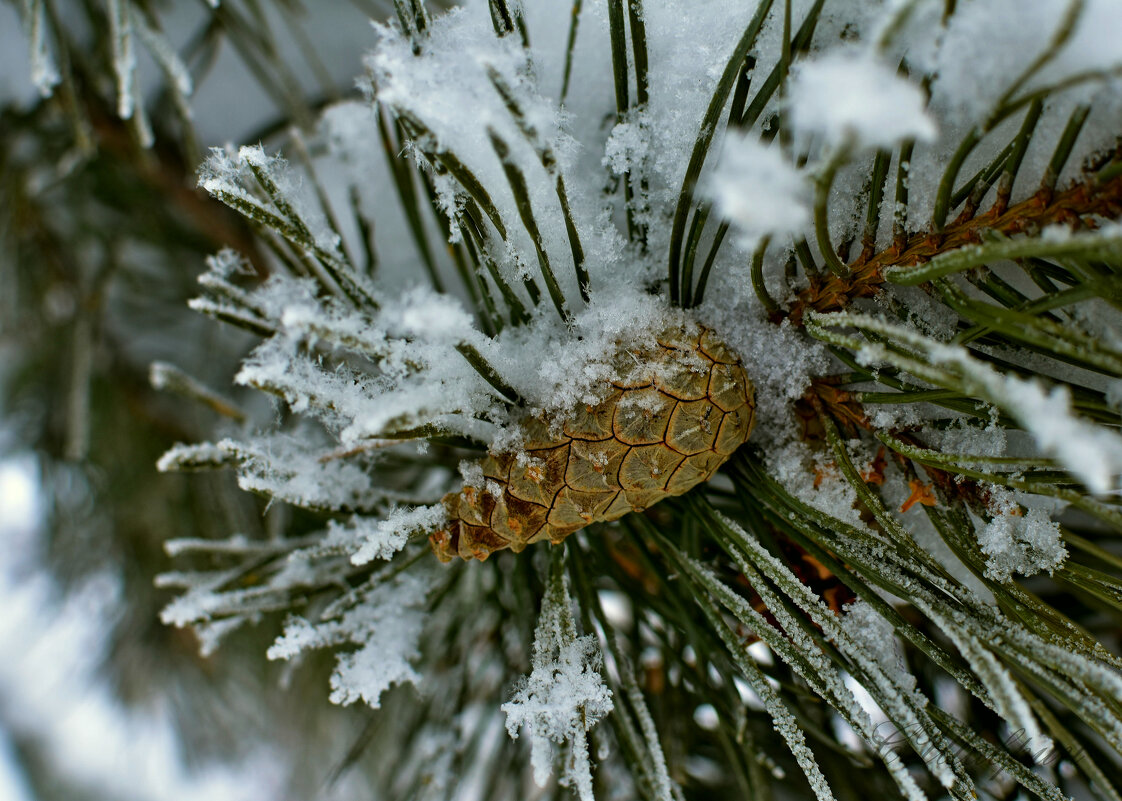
point(698, 38)
point(267, 182)
point(124, 56)
point(563, 697)
point(385, 626)
point(759, 190)
point(779, 359)
point(185, 457)
point(357, 375)
point(963, 438)
point(844, 97)
point(626, 148)
point(1024, 542)
point(284, 467)
point(452, 72)
point(382, 538)
point(363, 374)
point(1009, 50)
point(43, 71)
point(420, 312)
point(662, 787)
point(1090, 452)
point(869, 628)
point(816, 483)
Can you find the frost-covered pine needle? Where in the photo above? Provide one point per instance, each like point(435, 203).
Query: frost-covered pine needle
point(564, 696)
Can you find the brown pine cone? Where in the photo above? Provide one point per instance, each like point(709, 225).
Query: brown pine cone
point(674, 413)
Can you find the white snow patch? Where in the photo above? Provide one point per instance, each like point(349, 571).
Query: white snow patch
point(626, 148)
point(759, 190)
point(842, 96)
point(1026, 543)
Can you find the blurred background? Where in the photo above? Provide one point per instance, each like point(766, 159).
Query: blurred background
point(102, 233)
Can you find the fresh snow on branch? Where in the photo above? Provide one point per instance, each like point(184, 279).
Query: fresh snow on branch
point(980, 41)
point(446, 337)
point(382, 538)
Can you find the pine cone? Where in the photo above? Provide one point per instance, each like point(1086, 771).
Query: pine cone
point(675, 412)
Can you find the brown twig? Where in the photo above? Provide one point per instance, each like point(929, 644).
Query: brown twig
point(1077, 206)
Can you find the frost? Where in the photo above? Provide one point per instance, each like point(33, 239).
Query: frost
point(382, 538)
point(820, 485)
point(779, 360)
point(472, 473)
point(1027, 543)
point(759, 190)
point(564, 695)
point(438, 318)
point(1090, 452)
point(869, 628)
point(267, 188)
point(842, 96)
point(124, 56)
point(571, 366)
point(286, 468)
point(698, 39)
point(164, 53)
point(186, 457)
point(960, 437)
point(372, 363)
point(459, 68)
point(385, 625)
